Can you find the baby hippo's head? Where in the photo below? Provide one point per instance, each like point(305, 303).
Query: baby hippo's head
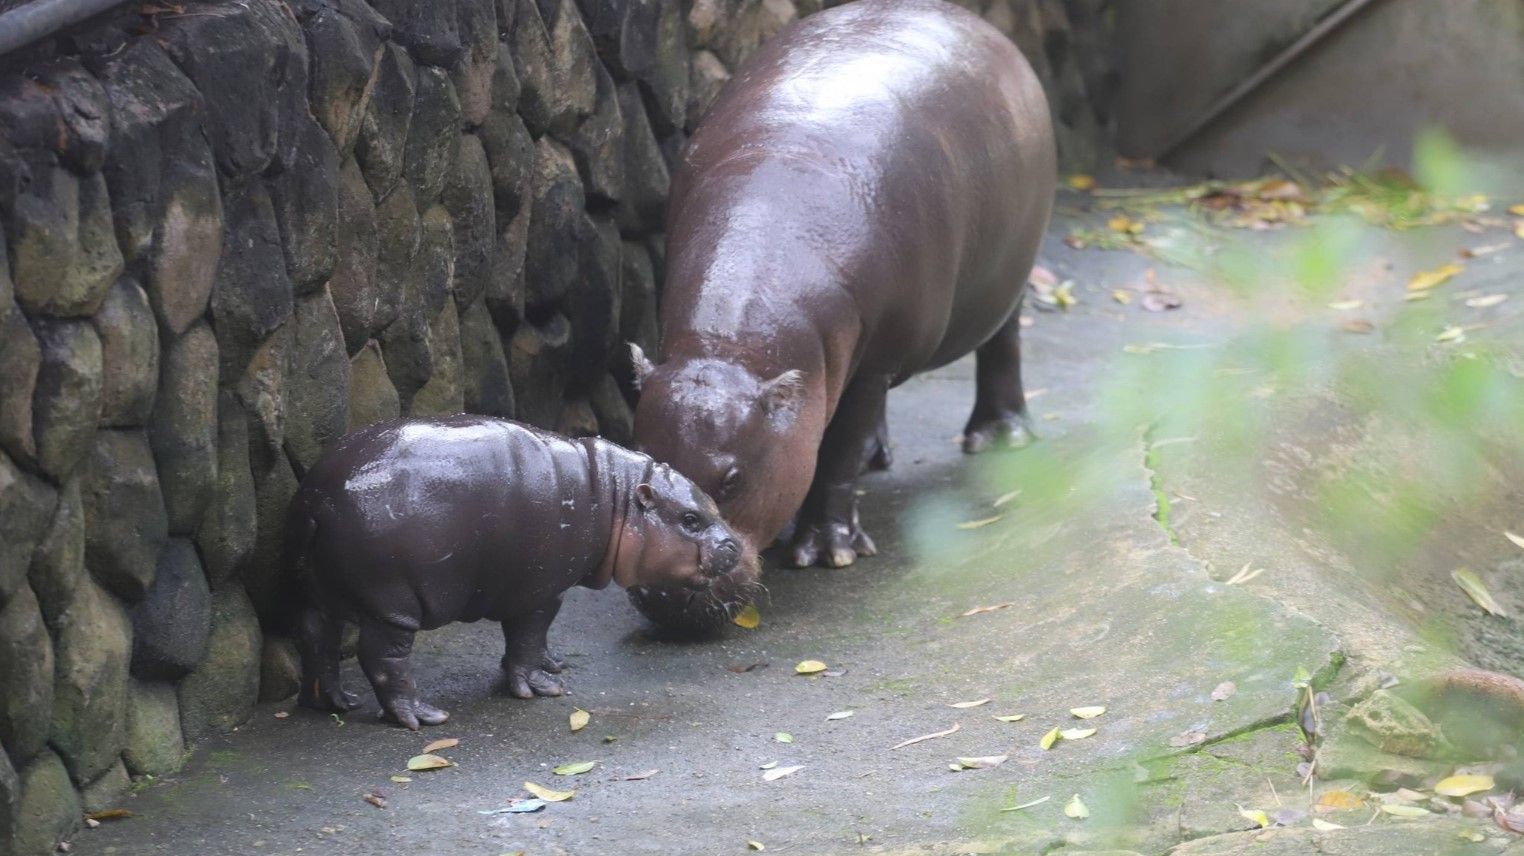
point(683, 550)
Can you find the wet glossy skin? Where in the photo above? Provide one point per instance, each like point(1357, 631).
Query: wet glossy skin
point(410, 525)
point(863, 202)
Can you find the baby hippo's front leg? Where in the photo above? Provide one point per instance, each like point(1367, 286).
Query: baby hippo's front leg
point(383, 655)
point(532, 670)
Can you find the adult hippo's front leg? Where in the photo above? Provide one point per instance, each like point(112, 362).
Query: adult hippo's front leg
point(828, 531)
point(532, 670)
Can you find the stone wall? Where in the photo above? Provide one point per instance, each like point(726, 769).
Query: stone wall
point(235, 230)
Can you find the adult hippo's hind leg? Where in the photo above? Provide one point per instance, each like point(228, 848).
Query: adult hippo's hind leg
point(827, 531)
point(1000, 406)
point(384, 652)
point(317, 641)
point(532, 669)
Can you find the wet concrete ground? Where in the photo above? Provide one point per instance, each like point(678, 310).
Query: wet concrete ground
point(1109, 605)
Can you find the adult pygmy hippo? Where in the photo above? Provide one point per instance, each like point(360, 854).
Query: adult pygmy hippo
point(410, 525)
point(863, 201)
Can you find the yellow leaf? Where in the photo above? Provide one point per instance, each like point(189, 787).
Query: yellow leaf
point(748, 617)
point(1015, 717)
point(1010, 495)
point(1518, 540)
point(755, 845)
point(1076, 733)
point(1344, 305)
point(1452, 334)
point(401, 780)
point(777, 773)
point(1121, 295)
point(1088, 712)
point(980, 523)
point(1518, 229)
point(981, 763)
point(547, 794)
point(783, 737)
point(1516, 210)
point(1256, 816)
point(1474, 588)
point(1486, 301)
point(1461, 786)
point(810, 667)
point(1049, 739)
point(579, 719)
point(427, 762)
point(1075, 808)
point(1081, 182)
point(576, 769)
point(963, 705)
point(1063, 295)
point(1427, 279)
point(1322, 825)
point(1404, 810)
point(1122, 224)
point(1339, 801)
point(447, 743)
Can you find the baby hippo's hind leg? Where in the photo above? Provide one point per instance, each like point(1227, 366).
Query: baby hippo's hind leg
point(318, 639)
point(532, 670)
point(384, 652)
point(1000, 406)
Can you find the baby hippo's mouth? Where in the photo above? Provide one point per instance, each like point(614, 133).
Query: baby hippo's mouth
point(732, 580)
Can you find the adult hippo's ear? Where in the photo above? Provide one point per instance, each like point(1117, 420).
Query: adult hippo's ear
point(645, 496)
point(783, 395)
point(643, 366)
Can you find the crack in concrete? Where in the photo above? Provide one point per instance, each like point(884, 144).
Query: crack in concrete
point(1156, 484)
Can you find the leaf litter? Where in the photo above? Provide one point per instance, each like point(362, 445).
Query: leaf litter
point(934, 735)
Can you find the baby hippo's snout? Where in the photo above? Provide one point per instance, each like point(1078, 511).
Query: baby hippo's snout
point(722, 556)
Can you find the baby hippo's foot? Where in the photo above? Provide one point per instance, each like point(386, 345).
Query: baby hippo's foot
point(326, 696)
point(1005, 431)
point(534, 675)
point(831, 543)
point(411, 713)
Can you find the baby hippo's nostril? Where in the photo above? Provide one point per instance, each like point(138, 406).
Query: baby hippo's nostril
point(730, 547)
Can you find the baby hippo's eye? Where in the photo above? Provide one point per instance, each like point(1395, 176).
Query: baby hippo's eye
point(691, 522)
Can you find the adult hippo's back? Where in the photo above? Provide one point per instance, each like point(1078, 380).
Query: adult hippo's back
point(863, 201)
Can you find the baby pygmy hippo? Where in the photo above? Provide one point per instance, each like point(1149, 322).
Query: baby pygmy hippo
point(410, 525)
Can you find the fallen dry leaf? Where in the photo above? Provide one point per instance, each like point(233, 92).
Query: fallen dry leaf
point(1122, 296)
point(1486, 301)
point(1255, 816)
point(1224, 691)
point(980, 763)
point(1160, 301)
point(1063, 294)
point(1396, 810)
point(748, 618)
point(1090, 712)
point(1049, 739)
point(755, 845)
point(1346, 305)
point(1124, 225)
point(376, 800)
point(1358, 325)
point(1076, 733)
point(779, 772)
point(1322, 825)
point(1076, 808)
point(1080, 182)
point(963, 705)
point(1014, 717)
point(1518, 541)
point(1452, 333)
point(1042, 276)
point(980, 610)
point(810, 667)
point(1339, 801)
point(783, 737)
point(110, 814)
point(547, 794)
point(980, 523)
point(1026, 805)
point(1427, 279)
point(914, 740)
point(401, 780)
point(1187, 738)
point(1474, 588)
point(579, 719)
point(446, 743)
point(576, 769)
point(1462, 786)
point(642, 776)
point(418, 763)
point(1007, 497)
point(1516, 210)
point(840, 714)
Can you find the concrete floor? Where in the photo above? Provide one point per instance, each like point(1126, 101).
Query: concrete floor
point(1109, 606)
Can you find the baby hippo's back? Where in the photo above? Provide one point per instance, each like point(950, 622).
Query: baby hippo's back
point(425, 522)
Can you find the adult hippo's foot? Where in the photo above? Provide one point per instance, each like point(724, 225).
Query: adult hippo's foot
point(827, 531)
point(531, 669)
point(1000, 416)
point(834, 544)
point(1010, 431)
point(527, 680)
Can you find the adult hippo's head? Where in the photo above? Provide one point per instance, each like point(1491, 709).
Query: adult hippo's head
point(674, 540)
point(749, 442)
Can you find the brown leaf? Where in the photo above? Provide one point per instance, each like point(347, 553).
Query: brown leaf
point(376, 800)
point(641, 777)
point(902, 744)
point(1358, 325)
point(980, 610)
point(1188, 738)
point(110, 814)
point(445, 743)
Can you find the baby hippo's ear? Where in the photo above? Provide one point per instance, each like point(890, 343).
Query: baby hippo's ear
point(783, 394)
point(645, 496)
point(643, 366)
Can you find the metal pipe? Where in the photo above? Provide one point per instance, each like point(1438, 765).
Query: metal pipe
point(39, 19)
point(1330, 22)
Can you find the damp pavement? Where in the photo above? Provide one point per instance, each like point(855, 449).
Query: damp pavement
point(1103, 599)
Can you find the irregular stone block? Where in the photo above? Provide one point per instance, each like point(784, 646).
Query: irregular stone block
point(64, 254)
point(433, 136)
point(408, 344)
point(67, 402)
point(577, 419)
point(227, 531)
point(510, 156)
point(665, 85)
point(505, 82)
point(637, 304)
point(472, 75)
point(305, 201)
point(280, 670)
point(505, 291)
point(261, 392)
point(183, 429)
point(26, 678)
point(615, 421)
point(593, 306)
point(535, 367)
point(444, 394)
point(155, 746)
point(468, 199)
point(646, 182)
point(430, 30)
point(20, 361)
point(708, 78)
point(49, 810)
point(10, 798)
point(237, 55)
point(90, 688)
point(129, 355)
point(26, 510)
point(264, 575)
point(673, 146)
point(487, 387)
point(382, 144)
point(125, 524)
point(372, 398)
point(316, 415)
point(58, 107)
point(344, 41)
point(553, 57)
point(102, 793)
point(354, 275)
point(598, 145)
point(58, 563)
point(434, 264)
point(170, 624)
point(554, 220)
point(155, 118)
point(398, 233)
point(219, 694)
point(624, 31)
point(253, 292)
point(187, 243)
